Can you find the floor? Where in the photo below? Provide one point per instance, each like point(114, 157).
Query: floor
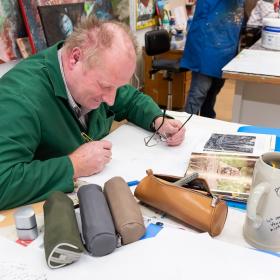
point(224, 101)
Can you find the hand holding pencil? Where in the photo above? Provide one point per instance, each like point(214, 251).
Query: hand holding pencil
point(91, 157)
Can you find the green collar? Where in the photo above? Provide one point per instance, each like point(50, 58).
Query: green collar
point(53, 69)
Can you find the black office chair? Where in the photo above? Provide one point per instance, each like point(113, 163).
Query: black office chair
point(158, 42)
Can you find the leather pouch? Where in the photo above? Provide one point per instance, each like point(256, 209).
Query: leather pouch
point(62, 240)
point(193, 203)
point(97, 224)
point(125, 210)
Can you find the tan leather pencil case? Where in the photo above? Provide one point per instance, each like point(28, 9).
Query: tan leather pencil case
point(193, 203)
point(125, 210)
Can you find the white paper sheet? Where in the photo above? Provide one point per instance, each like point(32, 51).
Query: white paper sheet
point(131, 158)
point(18, 262)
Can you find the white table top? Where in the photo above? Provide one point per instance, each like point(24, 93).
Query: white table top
point(131, 157)
point(172, 254)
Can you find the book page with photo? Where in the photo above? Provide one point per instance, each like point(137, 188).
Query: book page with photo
point(226, 174)
point(226, 161)
point(237, 143)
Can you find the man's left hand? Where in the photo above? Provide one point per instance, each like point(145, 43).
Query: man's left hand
point(170, 129)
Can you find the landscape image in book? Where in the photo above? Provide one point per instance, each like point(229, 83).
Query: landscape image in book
point(227, 174)
point(230, 143)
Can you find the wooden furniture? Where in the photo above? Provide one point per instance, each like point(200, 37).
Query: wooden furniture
point(157, 88)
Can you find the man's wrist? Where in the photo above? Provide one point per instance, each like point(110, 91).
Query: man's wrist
point(153, 123)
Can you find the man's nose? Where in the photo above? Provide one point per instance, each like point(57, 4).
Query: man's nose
point(109, 97)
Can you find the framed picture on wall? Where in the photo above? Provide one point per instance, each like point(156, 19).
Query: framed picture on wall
point(145, 14)
point(59, 20)
point(29, 9)
point(33, 24)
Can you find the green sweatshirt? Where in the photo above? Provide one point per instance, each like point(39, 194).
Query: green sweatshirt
point(38, 129)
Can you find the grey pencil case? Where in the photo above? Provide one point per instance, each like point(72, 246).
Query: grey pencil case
point(97, 224)
point(62, 241)
point(125, 210)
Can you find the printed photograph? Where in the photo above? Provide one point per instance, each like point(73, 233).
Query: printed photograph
point(230, 143)
point(229, 175)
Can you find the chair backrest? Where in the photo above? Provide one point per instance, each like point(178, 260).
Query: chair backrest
point(157, 42)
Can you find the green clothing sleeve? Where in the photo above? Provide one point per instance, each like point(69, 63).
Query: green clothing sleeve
point(18, 169)
point(136, 107)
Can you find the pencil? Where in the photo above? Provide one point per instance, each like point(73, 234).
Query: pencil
point(86, 137)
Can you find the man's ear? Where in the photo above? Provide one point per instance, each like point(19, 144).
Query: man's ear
point(75, 56)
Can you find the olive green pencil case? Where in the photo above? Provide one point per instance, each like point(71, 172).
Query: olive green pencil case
point(62, 240)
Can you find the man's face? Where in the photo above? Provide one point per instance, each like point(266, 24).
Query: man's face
point(93, 85)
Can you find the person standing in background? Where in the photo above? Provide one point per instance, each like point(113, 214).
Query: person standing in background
point(212, 41)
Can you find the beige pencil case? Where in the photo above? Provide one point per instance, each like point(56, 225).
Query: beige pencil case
point(125, 210)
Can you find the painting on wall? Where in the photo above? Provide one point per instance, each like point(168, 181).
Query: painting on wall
point(102, 9)
point(11, 27)
point(59, 20)
point(145, 14)
point(33, 25)
point(121, 10)
point(29, 8)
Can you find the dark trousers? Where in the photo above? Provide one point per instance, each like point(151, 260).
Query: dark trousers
point(202, 95)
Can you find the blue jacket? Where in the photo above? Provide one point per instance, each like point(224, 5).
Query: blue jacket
point(213, 36)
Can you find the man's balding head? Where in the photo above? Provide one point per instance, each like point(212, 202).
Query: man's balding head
point(94, 36)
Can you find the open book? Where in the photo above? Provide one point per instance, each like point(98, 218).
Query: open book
point(226, 162)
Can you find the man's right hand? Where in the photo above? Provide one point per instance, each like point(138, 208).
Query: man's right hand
point(276, 5)
point(91, 158)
